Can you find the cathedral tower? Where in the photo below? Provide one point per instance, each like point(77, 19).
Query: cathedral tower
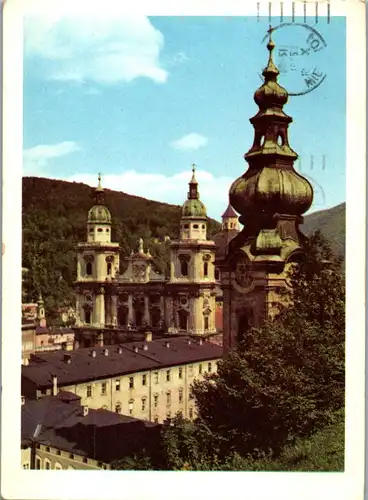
point(270, 198)
point(191, 292)
point(97, 265)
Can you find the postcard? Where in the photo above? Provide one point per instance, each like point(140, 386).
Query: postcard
point(183, 249)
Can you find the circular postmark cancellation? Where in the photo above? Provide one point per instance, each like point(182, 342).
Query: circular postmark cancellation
point(299, 55)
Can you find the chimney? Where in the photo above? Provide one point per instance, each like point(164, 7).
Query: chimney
point(167, 343)
point(145, 347)
point(93, 353)
point(200, 341)
point(67, 358)
point(23, 400)
point(120, 350)
point(85, 410)
point(189, 341)
point(106, 352)
point(148, 337)
point(54, 385)
point(135, 348)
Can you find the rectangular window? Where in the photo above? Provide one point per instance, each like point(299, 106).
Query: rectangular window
point(155, 400)
point(180, 372)
point(190, 395)
point(190, 413)
point(180, 395)
point(131, 382)
point(104, 388)
point(190, 370)
point(200, 368)
point(168, 398)
point(38, 463)
point(117, 385)
point(144, 379)
point(26, 466)
point(167, 375)
point(156, 377)
point(144, 404)
point(209, 367)
point(89, 391)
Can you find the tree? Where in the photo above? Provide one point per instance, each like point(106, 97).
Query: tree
point(286, 379)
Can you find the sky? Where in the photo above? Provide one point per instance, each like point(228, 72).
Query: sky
point(139, 99)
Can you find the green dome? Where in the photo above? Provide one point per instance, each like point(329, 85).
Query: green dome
point(99, 214)
point(194, 208)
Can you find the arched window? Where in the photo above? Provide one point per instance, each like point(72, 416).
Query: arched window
point(47, 464)
point(206, 323)
point(87, 316)
point(183, 320)
point(184, 268)
point(109, 267)
point(89, 268)
point(58, 466)
point(205, 268)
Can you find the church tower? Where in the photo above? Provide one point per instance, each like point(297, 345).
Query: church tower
point(97, 266)
point(270, 198)
point(190, 306)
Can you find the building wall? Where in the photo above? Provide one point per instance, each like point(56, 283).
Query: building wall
point(28, 342)
point(140, 401)
point(25, 457)
point(48, 457)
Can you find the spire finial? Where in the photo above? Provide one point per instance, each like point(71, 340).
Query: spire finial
point(194, 166)
point(270, 72)
point(140, 245)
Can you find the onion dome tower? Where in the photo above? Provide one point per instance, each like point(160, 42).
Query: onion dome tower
point(193, 224)
point(229, 229)
point(270, 198)
point(97, 267)
point(191, 286)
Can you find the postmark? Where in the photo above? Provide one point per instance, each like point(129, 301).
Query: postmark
point(299, 54)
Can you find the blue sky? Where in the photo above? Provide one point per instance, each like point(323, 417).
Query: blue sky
point(140, 99)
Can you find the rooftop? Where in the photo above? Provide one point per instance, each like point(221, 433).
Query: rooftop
point(60, 421)
point(103, 362)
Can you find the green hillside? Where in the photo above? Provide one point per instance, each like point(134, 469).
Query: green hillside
point(331, 223)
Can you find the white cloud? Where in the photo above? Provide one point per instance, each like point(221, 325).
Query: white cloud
point(169, 189)
point(95, 48)
point(190, 142)
point(37, 158)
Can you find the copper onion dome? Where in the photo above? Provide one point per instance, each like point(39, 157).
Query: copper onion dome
point(193, 207)
point(99, 213)
point(271, 185)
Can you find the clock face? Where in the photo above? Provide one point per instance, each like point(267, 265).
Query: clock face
point(242, 273)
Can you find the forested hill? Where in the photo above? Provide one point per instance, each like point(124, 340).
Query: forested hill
point(331, 223)
point(54, 220)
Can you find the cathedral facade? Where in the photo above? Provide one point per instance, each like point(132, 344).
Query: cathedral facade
point(112, 307)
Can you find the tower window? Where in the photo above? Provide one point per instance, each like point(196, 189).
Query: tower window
point(206, 323)
point(186, 226)
point(100, 229)
point(280, 140)
point(205, 268)
point(107, 230)
point(262, 140)
point(89, 268)
point(195, 226)
point(87, 317)
point(184, 268)
point(109, 268)
point(203, 226)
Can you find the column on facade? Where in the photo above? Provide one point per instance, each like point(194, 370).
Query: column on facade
point(147, 318)
point(100, 308)
point(77, 310)
point(162, 309)
point(107, 309)
point(130, 310)
point(114, 310)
